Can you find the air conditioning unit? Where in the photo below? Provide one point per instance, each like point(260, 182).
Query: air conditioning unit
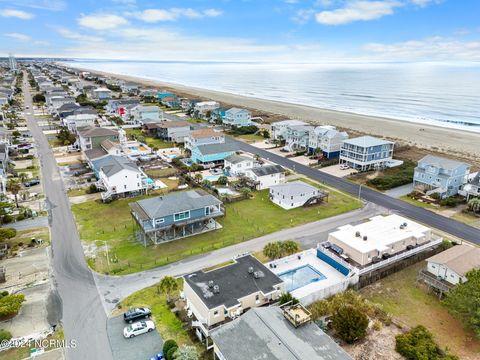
point(216, 289)
point(250, 270)
point(210, 284)
point(357, 234)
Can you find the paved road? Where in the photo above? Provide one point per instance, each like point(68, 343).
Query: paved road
point(447, 225)
point(28, 224)
point(114, 288)
point(84, 318)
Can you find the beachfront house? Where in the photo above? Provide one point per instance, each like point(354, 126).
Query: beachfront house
point(91, 137)
point(279, 128)
point(379, 238)
point(203, 109)
point(296, 137)
point(450, 266)
point(73, 122)
point(237, 117)
point(263, 177)
point(216, 296)
point(119, 177)
point(176, 215)
point(275, 333)
point(326, 140)
point(143, 114)
point(203, 137)
point(236, 165)
point(435, 174)
point(366, 153)
point(173, 131)
point(102, 94)
point(295, 194)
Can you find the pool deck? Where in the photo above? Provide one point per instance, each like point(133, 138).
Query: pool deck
point(308, 257)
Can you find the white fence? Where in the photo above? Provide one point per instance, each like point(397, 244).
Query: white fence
point(329, 291)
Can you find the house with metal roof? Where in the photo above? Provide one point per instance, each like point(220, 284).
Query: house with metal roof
point(266, 176)
point(175, 216)
point(269, 333)
point(326, 140)
point(212, 153)
point(237, 117)
point(220, 295)
point(295, 194)
point(435, 174)
point(367, 153)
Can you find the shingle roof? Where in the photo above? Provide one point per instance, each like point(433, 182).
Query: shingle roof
point(95, 153)
point(234, 281)
point(441, 162)
point(93, 131)
point(112, 164)
point(235, 159)
point(216, 148)
point(266, 334)
point(294, 188)
point(267, 170)
point(460, 258)
point(366, 141)
point(162, 206)
point(200, 133)
point(173, 124)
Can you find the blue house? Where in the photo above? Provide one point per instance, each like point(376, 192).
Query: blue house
point(366, 153)
point(175, 216)
point(219, 113)
point(237, 117)
point(435, 174)
point(203, 154)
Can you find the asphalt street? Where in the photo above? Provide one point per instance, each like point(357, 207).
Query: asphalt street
point(82, 314)
point(416, 213)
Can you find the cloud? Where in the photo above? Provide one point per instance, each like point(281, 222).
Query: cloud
point(423, 3)
point(357, 10)
point(52, 5)
point(19, 14)
point(18, 36)
point(173, 14)
point(101, 21)
point(302, 16)
point(72, 35)
point(429, 49)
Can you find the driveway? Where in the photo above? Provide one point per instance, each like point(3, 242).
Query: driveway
point(141, 347)
point(400, 191)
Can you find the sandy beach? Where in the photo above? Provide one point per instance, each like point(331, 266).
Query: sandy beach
point(449, 141)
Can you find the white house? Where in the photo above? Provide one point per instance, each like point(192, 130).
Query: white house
point(203, 137)
point(453, 264)
point(119, 176)
point(73, 122)
point(326, 139)
point(472, 187)
point(102, 94)
point(145, 114)
point(236, 165)
point(237, 117)
point(266, 176)
point(205, 106)
point(295, 194)
point(296, 137)
point(279, 128)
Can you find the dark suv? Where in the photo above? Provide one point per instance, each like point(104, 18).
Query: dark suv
point(136, 314)
point(31, 183)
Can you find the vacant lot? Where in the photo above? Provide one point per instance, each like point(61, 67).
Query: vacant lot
point(150, 141)
point(412, 305)
point(244, 220)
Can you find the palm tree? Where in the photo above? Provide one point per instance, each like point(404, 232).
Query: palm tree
point(23, 177)
point(474, 205)
point(272, 250)
point(198, 178)
point(14, 187)
point(168, 285)
point(288, 247)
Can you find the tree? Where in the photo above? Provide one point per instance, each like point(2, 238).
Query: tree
point(10, 304)
point(246, 191)
point(463, 301)
point(272, 250)
point(287, 297)
point(168, 285)
point(14, 187)
point(288, 247)
point(186, 352)
point(169, 348)
point(474, 205)
point(198, 178)
point(39, 98)
point(7, 233)
point(350, 324)
point(222, 180)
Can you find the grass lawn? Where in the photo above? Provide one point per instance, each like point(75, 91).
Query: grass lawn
point(167, 323)
point(158, 173)
point(76, 192)
point(54, 142)
point(25, 236)
point(196, 121)
point(412, 305)
point(244, 220)
point(150, 141)
point(250, 138)
point(467, 219)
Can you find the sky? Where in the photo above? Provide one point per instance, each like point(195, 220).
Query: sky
point(318, 31)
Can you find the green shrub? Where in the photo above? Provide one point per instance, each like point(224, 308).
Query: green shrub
point(350, 324)
point(287, 297)
point(394, 177)
point(169, 344)
point(11, 304)
point(449, 202)
point(7, 233)
point(169, 355)
point(5, 335)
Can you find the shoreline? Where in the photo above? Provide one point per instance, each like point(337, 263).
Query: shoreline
point(436, 138)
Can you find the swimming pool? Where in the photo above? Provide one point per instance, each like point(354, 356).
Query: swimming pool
point(301, 276)
point(211, 178)
point(227, 191)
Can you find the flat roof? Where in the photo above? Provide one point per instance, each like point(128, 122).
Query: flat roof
point(294, 188)
point(234, 281)
point(264, 333)
point(441, 162)
point(381, 232)
point(367, 141)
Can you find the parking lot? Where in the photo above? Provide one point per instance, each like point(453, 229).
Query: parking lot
point(141, 347)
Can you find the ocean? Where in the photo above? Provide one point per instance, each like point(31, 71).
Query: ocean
point(426, 93)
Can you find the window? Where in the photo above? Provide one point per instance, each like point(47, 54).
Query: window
point(181, 216)
point(159, 221)
point(208, 210)
point(215, 313)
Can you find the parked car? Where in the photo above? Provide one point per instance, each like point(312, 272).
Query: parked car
point(136, 314)
point(158, 356)
point(138, 328)
point(344, 167)
point(31, 183)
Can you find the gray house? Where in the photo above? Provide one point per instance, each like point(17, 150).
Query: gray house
point(176, 215)
point(444, 176)
point(274, 333)
point(366, 153)
point(174, 131)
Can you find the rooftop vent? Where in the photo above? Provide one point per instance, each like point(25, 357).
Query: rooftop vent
point(256, 274)
point(365, 238)
point(404, 224)
point(210, 284)
point(250, 270)
point(216, 289)
point(357, 234)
